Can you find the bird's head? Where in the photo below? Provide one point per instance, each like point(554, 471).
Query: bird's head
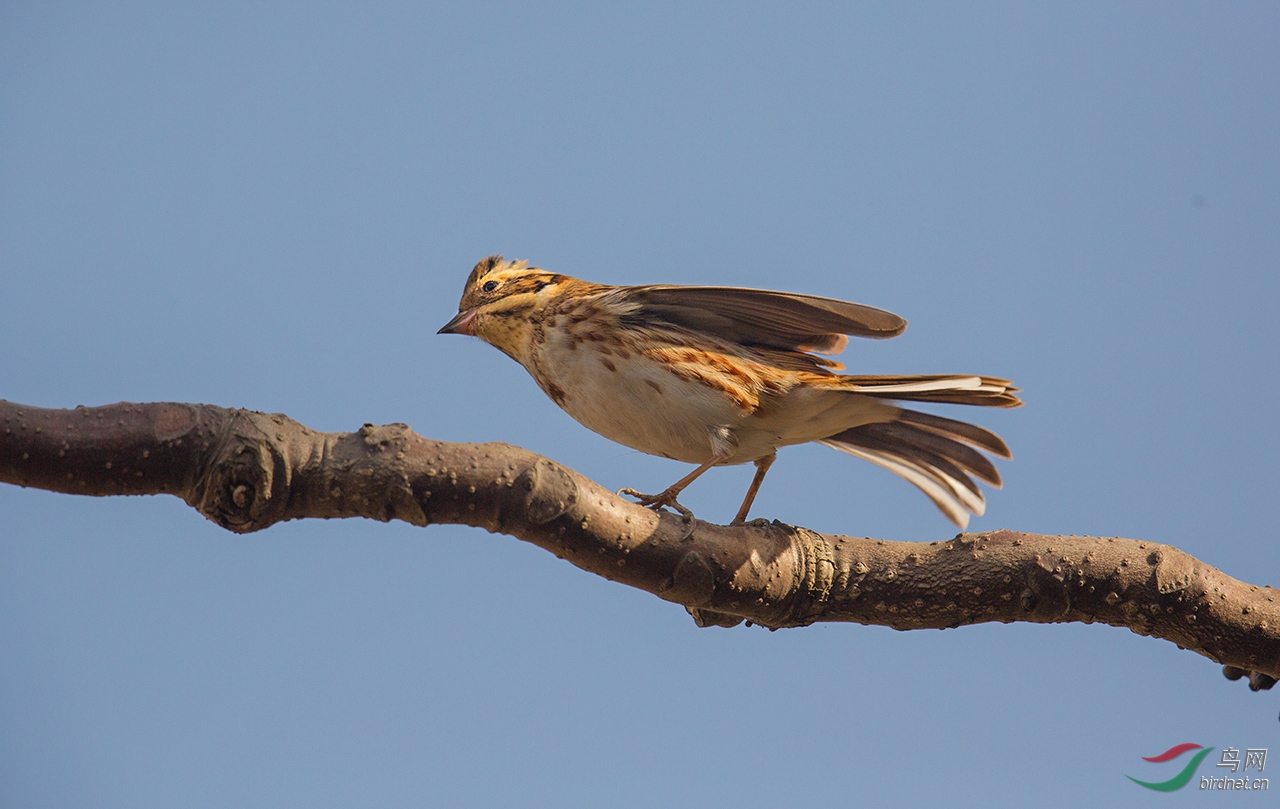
point(498, 302)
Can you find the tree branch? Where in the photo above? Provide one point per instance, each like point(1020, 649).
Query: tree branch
point(246, 470)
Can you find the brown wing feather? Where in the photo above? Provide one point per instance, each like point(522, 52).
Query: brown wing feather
point(782, 320)
point(795, 361)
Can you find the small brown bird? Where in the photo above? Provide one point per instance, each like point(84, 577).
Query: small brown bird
point(726, 375)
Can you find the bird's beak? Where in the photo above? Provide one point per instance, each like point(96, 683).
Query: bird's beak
point(461, 323)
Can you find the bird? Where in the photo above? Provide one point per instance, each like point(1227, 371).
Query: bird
point(715, 376)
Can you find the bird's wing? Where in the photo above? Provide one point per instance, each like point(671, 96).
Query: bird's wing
point(758, 317)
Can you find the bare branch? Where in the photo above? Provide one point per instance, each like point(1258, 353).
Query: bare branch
point(246, 471)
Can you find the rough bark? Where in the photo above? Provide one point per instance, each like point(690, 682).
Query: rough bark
point(246, 470)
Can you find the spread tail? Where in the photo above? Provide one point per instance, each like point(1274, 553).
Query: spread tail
point(939, 455)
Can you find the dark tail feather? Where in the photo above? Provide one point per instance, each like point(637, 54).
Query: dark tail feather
point(958, 431)
point(900, 437)
point(932, 452)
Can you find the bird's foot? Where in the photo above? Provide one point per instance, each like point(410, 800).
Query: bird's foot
point(658, 501)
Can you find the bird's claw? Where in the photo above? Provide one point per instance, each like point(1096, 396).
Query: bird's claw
point(658, 501)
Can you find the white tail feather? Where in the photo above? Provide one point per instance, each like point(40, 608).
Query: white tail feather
point(954, 499)
point(947, 383)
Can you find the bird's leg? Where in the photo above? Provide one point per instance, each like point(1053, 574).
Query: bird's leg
point(668, 497)
point(762, 466)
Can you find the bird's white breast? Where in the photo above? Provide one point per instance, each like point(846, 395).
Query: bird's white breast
point(634, 400)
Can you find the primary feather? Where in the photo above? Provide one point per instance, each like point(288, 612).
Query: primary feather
point(758, 317)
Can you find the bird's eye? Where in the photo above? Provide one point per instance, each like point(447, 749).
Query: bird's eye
point(490, 286)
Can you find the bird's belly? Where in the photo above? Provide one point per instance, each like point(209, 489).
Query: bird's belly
point(637, 402)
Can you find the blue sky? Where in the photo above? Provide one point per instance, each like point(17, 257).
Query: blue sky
point(275, 208)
